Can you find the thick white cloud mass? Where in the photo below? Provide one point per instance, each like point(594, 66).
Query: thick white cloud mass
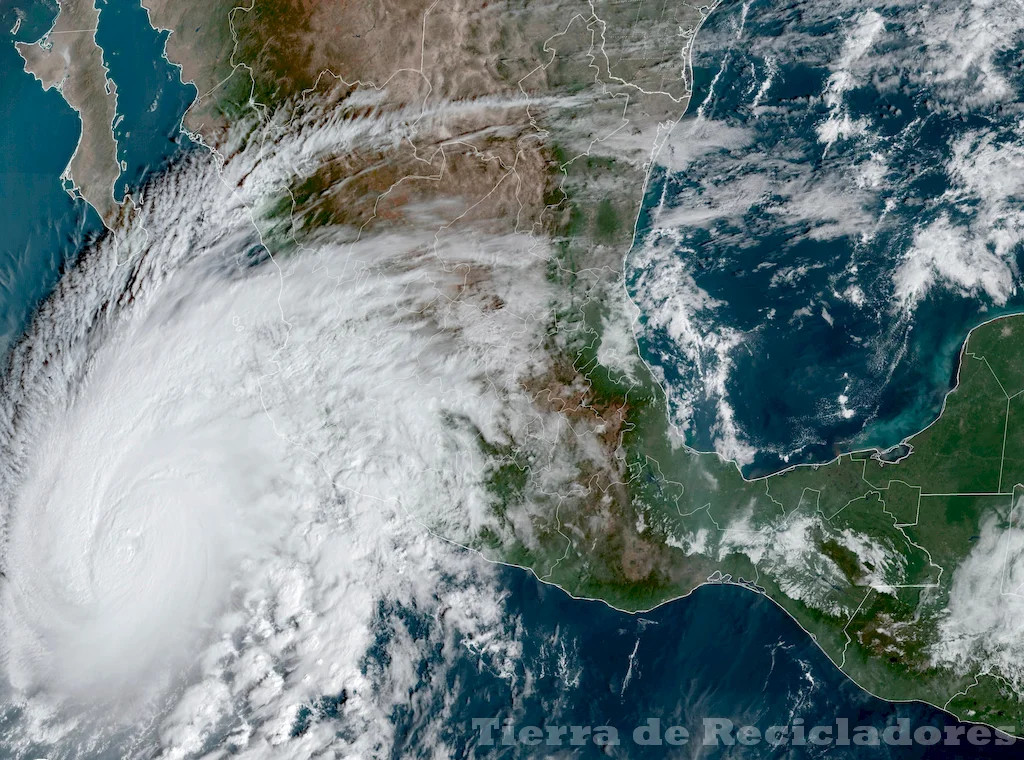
point(217, 468)
point(982, 626)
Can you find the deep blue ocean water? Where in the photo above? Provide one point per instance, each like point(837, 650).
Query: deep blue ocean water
point(151, 96)
point(41, 226)
point(840, 206)
point(724, 652)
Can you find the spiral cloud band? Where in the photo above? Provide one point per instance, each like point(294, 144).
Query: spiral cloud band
point(217, 463)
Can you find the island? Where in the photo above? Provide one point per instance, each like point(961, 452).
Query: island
point(547, 119)
point(68, 59)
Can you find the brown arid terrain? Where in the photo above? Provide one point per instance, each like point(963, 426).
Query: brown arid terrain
point(69, 59)
point(508, 118)
point(536, 85)
point(501, 151)
point(544, 118)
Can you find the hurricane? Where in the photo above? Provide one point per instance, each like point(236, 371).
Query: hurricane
point(218, 462)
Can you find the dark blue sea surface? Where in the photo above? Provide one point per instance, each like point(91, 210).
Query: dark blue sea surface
point(723, 653)
point(151, 98)
point(842, 203)
point(41, 225)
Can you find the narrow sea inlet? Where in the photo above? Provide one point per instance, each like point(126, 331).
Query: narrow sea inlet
point(42, 226)
point(170, 508)
point(151, 97)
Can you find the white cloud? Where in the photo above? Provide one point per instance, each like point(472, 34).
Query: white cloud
point(976, 256)
point(214, 477)
point(946, 253)
point(961, 42)
point(864, 32)
point(677, 310)
point(982, 626)
point(788, 551)
point(617, 350)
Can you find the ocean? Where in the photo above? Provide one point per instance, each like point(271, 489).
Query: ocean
point(41, 226)
point(722, 654)
point(837, 210)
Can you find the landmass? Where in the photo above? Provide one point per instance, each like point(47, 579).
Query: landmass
point(68, 59)
point(904, 565)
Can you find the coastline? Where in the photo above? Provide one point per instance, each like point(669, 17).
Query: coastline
point(724, 577)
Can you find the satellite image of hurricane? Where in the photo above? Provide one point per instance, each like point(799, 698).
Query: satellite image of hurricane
point(511, 379)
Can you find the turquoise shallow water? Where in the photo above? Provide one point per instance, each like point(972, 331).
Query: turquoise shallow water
point(841, 210)
point(724, 652)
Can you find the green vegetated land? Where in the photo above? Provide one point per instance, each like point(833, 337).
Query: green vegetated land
point(862, 552)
